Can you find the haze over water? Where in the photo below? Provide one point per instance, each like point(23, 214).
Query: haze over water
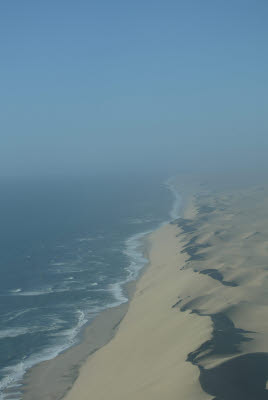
point(102, 101)
point(66, 251)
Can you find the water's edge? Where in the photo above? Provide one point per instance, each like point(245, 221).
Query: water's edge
point(56, 376)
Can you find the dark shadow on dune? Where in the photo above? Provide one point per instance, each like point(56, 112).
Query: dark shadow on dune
point(192, 248)
point(215, 274)
point(241, 378)
point(226, 338)
point(205, 209)
point(177, 303)
point(186, 225)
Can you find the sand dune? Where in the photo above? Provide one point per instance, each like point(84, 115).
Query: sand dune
point(226, 240)
point(147, 357)
point(197, 325)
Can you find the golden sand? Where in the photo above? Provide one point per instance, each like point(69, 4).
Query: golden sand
point(146, 358)
point(212, 265)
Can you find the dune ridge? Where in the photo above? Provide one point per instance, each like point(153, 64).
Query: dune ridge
point(227, 241)
point(196, 327)
point(147, 357)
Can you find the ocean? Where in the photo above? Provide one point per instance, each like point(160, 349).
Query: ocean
point(68, 245)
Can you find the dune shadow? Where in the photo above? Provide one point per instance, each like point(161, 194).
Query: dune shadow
point(241, 378)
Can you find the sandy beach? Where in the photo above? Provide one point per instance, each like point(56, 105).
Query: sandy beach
point(134, 200)
point(146, 358)
point(196, 327)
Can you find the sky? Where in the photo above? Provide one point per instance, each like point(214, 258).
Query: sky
point(111, 85)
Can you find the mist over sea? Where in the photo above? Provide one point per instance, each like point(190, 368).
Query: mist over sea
point(67, 248)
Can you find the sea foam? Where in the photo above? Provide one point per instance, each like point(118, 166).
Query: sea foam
point(175, 209)
point(134, 249)
point(14, 373)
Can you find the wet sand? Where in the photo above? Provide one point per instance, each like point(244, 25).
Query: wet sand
point(50, 380)
point(147, 357)
point(196, 327)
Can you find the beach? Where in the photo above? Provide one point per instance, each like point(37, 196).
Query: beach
point(146, 358)
point(134, 200)
point(67, 254)
point(196, 325)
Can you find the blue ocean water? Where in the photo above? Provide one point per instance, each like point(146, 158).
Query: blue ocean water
point(67, 248)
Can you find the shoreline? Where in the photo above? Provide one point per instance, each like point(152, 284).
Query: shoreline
point(53, 378)
point(196, 323)
point(168, 238)
point(128, 366)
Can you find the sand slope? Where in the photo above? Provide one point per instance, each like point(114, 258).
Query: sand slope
point(146, 359)
point(197, 325)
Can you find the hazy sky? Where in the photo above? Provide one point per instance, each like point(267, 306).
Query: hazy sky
point(104, 85)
